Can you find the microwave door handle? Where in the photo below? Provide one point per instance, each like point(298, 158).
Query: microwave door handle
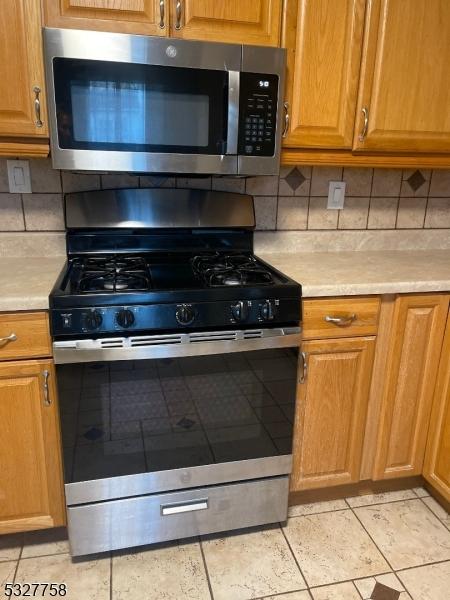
point(233, 112)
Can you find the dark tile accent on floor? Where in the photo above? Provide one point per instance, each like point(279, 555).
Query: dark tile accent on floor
point(383, 592)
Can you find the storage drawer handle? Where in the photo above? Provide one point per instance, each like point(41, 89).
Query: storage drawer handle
point(178, 15)
point(161, 14)
point(286, 120)
point(304, 371)
point(362, 135)
point(47, 400)
point(341, 321)
point(182, 507)
point(12, 337)
point(37, 106)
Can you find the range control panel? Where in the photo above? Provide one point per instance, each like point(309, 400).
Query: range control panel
point(257, 114)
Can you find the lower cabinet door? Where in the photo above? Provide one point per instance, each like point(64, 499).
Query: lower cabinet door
point(331, 411)
point(408, 382)
point(437, 458)
point(31, 487)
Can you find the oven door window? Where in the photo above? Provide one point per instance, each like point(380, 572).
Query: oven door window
point(140, 108)
point(141, 416)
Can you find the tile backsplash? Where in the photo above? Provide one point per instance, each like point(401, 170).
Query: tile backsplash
point(375, 199)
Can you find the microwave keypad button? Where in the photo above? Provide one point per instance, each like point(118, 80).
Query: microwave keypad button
point(248, 149)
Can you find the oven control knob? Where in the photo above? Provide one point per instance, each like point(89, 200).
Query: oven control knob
point(185, 314)
point(267, 310)
point(93, 320)
point(125, 318)
point(240, 311)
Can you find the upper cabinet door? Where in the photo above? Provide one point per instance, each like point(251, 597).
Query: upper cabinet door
point(324, 43)
point(252, 22)
point(405, 81)
point(146, 17)
point(22, 90)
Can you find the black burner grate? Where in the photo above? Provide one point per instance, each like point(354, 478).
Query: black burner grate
point(218, 269)
point(113, 274)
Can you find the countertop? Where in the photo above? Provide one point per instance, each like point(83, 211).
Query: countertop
point(25, 283)
point(365, 272)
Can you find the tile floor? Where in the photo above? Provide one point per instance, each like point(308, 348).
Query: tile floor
point(393, 546)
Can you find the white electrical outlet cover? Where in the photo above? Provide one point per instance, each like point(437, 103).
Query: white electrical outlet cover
point(19, 179)
point(336, 195)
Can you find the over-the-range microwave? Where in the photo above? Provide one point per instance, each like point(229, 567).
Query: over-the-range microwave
point(144, 104)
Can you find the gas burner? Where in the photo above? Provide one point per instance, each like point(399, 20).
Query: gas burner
point(113, 274)
point(217, 270)
point(116, 263)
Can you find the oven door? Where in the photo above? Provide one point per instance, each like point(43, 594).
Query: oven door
point(201, 412)
point(135, 103)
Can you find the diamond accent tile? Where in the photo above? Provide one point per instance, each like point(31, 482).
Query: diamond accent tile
point(295, 178)
point(416, 180)
point(383, 592)
point(93, 434)
point(186, 423)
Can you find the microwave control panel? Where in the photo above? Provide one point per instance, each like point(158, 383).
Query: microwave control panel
point(257, 114)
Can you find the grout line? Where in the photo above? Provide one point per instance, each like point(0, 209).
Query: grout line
point(373, 541)
point(205, 567)
point(428, 564)
point(433, 513)
point(19, 558)
point(111, 576)
point(284, 594)
point(293, 555)
point(320, 512)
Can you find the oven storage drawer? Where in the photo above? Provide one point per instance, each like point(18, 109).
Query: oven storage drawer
point(161, 517)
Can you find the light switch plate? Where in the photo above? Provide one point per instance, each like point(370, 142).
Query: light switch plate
point(336, 195)
point(19, 179)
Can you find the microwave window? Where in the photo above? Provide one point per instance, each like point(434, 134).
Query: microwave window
point(128, 113)
point(104, 105)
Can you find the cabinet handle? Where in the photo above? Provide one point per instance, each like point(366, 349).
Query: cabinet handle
point(178, 14)
point(362, 135)
point(161, 14)
point(37, 106)
point(286, 119)
point(341, 321)
point(304, 368)
point(47, 399)
point(12, 337)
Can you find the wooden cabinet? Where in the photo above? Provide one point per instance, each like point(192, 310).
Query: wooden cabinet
point(324, 42)
point(437, 459)
point(146, 17)
point(331, 412)
point(22, 86)
point(404, 380)
point(256, 22)
point(31, 495)
point(405, 84)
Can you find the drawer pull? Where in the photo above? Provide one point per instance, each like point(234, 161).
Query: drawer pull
point(47, 400)
point(182, 507)
point(304, 370)
point(12, 337)
point(341, 321)
point(178, 9)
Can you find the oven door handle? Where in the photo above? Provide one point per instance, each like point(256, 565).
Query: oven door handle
point(174, 345)
point(233, 112)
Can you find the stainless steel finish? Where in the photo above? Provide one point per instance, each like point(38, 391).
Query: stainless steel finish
point(286, 119)
point(47, 399)
point(258, 59)
point(341, 321)
point(37, 106)
point(12, 337)
point(362, 135)
point(233, 112)
point(117, 47)
point(182, 507)
point(304, 368)
point(178, 15)
point(158, 208)
point(174, 345)
point(161, 14)
point(127, 486)
point(129, 522)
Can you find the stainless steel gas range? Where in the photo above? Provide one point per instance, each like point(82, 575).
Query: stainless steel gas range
point(176, 352)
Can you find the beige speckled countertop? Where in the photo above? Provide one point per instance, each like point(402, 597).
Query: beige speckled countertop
point(365, 272)
point(25, 283)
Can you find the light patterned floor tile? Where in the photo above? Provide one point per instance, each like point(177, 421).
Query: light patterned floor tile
point(46, 541)
point(7, 570)
point(368, 499)
point(340, 591)
point(333, 547)
point(421, 492)
point(438, 510)
point(407, 533)
point(290, 596)
point(431, 582)
point(86, 580)
point(170, 572)
point(316, 507)
point(365, 586)
point(10, 546)
point(251, 565)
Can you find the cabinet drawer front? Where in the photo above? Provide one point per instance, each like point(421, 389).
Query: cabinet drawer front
point(24, 335)
point(340, 317)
